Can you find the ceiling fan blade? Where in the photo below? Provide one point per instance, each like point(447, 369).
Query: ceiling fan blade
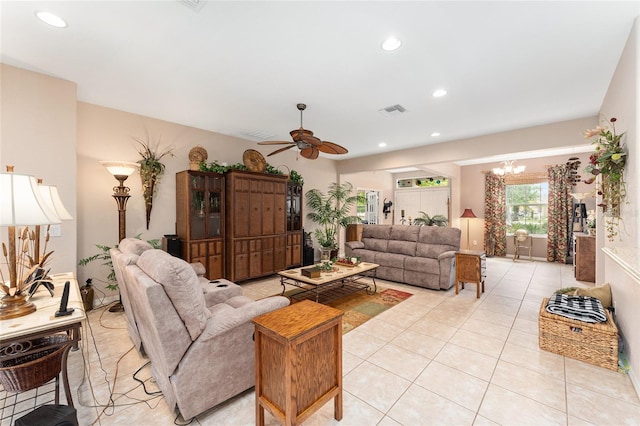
point(311, 153)
point(332, 148)
point(274, 142)
point(278, 151)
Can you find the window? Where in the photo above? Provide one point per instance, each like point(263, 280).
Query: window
point(527, 207)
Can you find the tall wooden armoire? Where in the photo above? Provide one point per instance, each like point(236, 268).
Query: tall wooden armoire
point(256, 224)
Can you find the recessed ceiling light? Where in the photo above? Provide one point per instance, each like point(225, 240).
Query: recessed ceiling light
point(51, 19)
point(391, 43)
point(435, 134)
point(382, 144)
point(439, 93)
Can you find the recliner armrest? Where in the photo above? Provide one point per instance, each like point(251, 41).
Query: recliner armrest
point(218, 291)
point(354, 244)
point(447, 255)
point(218, 324)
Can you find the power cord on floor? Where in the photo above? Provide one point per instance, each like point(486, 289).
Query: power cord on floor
point(144, 387)
point(108, 408)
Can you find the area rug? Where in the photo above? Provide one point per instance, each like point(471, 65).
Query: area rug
point(360, 307)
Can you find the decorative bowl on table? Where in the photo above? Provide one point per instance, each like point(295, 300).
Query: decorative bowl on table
point(348, 261)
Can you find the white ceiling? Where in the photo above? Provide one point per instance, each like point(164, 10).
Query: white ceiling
point(237, 67)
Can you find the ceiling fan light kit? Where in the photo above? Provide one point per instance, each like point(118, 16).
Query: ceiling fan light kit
point(309, 145)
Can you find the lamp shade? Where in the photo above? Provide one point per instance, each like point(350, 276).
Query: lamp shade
point(468, 214)
point(120, 168)
point(21, 203)
point(50, 196)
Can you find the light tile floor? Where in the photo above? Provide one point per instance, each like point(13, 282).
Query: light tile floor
point(436, 358)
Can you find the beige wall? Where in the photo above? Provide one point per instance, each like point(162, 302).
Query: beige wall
point(38, 137)
point(621, 101)
point(107, 134)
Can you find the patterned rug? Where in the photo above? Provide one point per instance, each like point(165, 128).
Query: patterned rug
point(360, 307)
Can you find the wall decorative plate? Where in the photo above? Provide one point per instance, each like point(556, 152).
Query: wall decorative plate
point(254, 161)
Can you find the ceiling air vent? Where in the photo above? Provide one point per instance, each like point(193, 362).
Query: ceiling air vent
point(194, 4)
point(393, 110)
point(259, 134)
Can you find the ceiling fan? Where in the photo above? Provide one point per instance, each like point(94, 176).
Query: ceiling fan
point(310, 146)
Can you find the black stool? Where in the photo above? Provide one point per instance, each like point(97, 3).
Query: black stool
point(50, 415)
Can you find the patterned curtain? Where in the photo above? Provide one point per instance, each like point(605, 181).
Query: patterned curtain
point(495, 215)
point(559, 213)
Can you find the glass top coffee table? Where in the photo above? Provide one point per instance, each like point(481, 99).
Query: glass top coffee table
point(341, 281)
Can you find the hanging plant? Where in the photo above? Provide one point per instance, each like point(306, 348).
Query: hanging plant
point(608, 161)
point(151, 170)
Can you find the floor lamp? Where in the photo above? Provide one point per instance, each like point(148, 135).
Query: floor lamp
point(121, 170)
point(468, 214)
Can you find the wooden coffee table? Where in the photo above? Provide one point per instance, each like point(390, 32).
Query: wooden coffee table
point(328, 286)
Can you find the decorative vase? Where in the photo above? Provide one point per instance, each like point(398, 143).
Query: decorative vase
point(592, 232)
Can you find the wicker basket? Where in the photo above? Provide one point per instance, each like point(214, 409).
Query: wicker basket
point(30, 371)
point(594, 343)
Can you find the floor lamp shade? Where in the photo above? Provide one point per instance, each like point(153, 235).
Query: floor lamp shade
point(468, 214)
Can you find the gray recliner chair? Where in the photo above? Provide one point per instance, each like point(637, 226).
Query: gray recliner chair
point(200, 355)
point(128, 252)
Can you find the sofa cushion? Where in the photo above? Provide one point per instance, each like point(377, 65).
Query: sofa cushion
point(390, 259)
point(375, 244)
point(449, 237)
point(407, 248)
point(181, 284)
point(134, 245)
point(422, 264)
point(404, 232)
point(376, 231)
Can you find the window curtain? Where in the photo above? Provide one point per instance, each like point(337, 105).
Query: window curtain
point(559, 213)
point(495, 215)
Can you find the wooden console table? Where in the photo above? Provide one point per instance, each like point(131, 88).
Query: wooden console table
point(19, 333)
point(298, 362)
point(471, 267)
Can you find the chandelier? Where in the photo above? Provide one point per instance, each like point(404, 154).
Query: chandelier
point(508, 169)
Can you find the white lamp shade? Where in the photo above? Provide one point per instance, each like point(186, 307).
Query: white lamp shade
point(50, 196)
point(21, 203)
point(120, 168)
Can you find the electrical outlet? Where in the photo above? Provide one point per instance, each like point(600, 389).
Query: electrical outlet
point(475, 242)
point(55, 231)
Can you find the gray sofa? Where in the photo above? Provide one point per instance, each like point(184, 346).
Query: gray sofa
point(201, 355)
point(423, 256)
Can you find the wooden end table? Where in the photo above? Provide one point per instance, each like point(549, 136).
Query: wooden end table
point(471, 267)
point(298, 362)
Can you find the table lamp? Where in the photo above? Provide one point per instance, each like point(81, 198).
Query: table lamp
point(20, 205)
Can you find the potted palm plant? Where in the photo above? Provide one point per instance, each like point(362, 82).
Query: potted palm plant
point(331, 212)
point(426, 220)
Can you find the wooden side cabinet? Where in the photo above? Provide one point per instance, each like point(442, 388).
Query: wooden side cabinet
point(471, 267)
point(298, 362)
point(200, 220)
point(584, 257)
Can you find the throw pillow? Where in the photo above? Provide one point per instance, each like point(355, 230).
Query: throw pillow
point(602, 293)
